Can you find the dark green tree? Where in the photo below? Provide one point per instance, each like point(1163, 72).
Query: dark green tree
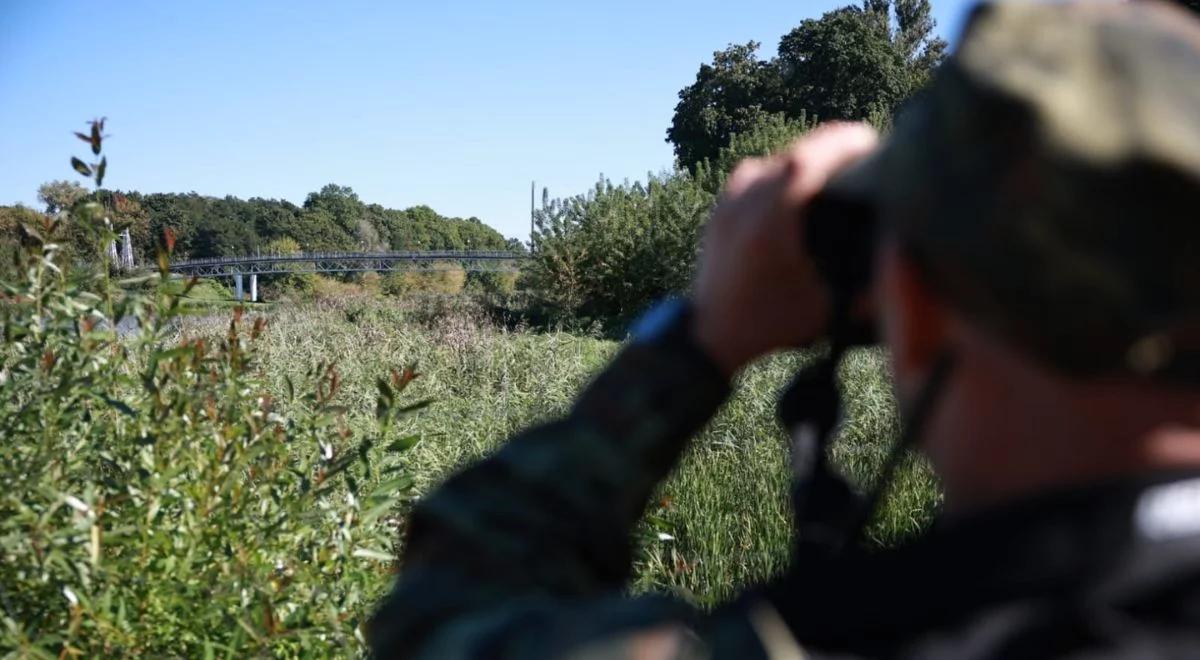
point(858, 62)
point(183, 214)
point(728, 96)
point(842, 66)
point(318, 229)
point(271, 218)
point(224, 233)
point(341, 202)
point(333, 218)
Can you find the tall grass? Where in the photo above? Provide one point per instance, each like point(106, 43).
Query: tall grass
point(725, 508)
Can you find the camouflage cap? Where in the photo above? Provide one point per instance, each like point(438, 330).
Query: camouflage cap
point(1048, 182)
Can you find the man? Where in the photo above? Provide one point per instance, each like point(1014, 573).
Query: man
point(1038, 286)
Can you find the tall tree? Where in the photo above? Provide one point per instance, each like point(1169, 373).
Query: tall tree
point(858, 62)
point(60, 195)
point(733, 93)
point(842, 66)
point(341, 202)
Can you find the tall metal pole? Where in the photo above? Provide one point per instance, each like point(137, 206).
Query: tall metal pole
point(532, 195)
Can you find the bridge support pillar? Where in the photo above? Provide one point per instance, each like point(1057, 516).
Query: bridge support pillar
point(237, 286)
point(253, 287)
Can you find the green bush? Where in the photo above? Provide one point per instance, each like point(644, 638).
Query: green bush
point(159, 499)
point(605, 256)
point(443, 278)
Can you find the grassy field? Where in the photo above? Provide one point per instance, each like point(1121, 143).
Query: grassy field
point(726, 505)
point(206, 484)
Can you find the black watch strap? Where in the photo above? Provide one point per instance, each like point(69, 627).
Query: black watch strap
point(668, 325)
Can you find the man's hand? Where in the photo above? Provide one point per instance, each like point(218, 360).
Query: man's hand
point(757, 290)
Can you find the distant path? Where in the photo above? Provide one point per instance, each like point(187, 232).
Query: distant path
point(345, 262)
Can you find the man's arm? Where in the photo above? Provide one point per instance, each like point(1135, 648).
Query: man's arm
point(525, 554)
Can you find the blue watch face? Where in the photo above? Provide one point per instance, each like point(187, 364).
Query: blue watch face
point(659, 320)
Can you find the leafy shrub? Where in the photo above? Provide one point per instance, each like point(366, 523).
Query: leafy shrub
point(335, 289)
point(158, 499)
point(499, 283)
point(605, 256)
point(444, 278)
point(772, 133)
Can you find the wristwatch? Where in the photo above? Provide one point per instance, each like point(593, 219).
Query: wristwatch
point(668, 321)
point(668, 325)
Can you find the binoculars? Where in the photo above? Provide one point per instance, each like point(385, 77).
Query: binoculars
point(841, 236)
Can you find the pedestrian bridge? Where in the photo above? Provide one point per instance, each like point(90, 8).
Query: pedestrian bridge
point(344, 262)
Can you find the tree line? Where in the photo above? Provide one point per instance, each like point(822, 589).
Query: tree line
point(331, 219)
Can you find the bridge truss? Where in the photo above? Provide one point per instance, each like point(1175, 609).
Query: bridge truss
point(350, 262)
point(345, 262)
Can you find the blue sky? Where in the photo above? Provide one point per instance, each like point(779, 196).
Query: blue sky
point(454, 104)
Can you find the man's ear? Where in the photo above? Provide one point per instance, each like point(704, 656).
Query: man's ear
point(914, 322)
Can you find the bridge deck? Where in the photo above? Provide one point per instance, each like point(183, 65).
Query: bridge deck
point(345, 262)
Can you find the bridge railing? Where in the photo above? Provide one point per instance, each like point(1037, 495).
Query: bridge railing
point(413, 255)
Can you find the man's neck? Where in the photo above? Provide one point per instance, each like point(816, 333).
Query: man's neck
point(1007, 429)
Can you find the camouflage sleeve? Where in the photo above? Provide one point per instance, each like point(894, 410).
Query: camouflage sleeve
point(526, 553)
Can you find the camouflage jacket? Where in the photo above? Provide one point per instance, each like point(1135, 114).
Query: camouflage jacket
point(526, 554)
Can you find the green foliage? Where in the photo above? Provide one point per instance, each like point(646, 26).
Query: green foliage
point(206, 293)
point(443, 278)
point(12, 220)
point(331, 219)
point(284, 245)
point(852, 63)
point(606, 255)
point(772, 133)
point(161, 499)
point(79, 244)
point(843, 66)
point(726, 505)
point(224, 232)
point(60, 196)
point(502, 283)
point(603, 257)
point(294, 282)
point(729, 96)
